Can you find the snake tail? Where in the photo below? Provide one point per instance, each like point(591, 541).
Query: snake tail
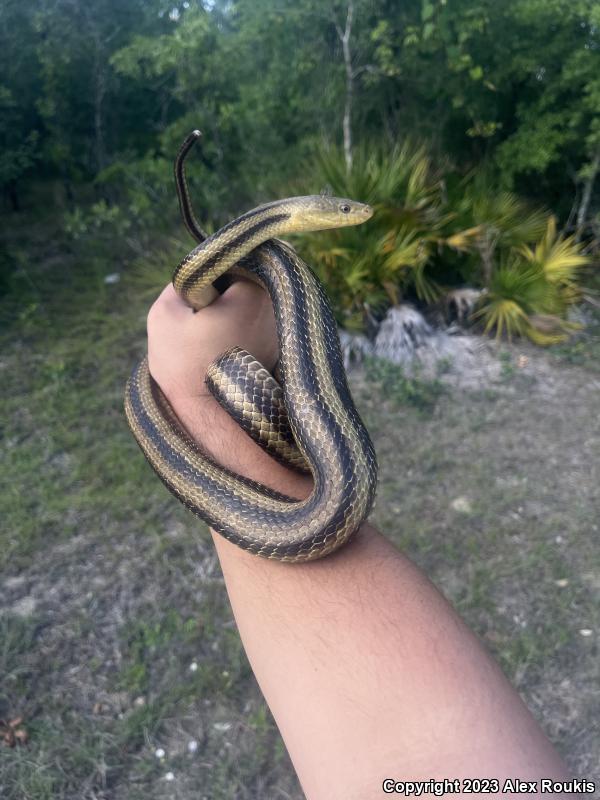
point(183, 192)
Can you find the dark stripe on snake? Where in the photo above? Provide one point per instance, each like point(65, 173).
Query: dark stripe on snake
point(227, 248)
point(335, 360)
point(307, 371)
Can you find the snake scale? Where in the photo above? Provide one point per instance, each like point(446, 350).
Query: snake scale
point(307, 419)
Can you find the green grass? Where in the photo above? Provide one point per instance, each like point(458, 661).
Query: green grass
point(583, 349)
point(70, 341)
point(414, 391)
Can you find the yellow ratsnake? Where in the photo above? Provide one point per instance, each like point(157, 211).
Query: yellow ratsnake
point(307, 420)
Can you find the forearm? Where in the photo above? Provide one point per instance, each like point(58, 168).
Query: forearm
point(367, 669)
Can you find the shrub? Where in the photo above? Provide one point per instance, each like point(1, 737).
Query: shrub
point(529, 294)
point(369, 267)
point(432, 232)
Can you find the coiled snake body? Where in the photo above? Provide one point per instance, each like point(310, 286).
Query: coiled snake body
point(308, 420)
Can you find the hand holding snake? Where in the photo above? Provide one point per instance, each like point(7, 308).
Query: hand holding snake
point(309, 421)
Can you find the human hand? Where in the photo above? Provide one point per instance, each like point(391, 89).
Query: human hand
point(182, 343)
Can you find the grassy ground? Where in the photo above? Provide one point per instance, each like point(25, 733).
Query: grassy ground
point(117, 644)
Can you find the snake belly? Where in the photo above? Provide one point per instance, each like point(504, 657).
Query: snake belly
point(326, 427)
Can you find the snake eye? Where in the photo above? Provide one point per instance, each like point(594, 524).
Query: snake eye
point(345, 208)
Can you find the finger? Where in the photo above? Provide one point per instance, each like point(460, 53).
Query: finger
point(171, 303)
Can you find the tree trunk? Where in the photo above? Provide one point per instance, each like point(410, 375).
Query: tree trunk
point(486, 246)
point(99, 40)
point(99, 93)
point(347, 121)
point(587, 195)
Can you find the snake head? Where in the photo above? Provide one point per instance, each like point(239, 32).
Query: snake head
point(320, 212)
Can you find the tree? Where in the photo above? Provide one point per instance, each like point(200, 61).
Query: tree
point(18, 117)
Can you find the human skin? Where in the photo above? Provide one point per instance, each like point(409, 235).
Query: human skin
point(367, 669)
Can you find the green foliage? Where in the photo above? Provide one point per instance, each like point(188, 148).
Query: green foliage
point(16, 157)
point(19, 81)
point(424, 236)
point(582, 350)
point(559, 258)
point(98, 98)
point(493, 219)
point(412, 390)
point(368, 267)
point(507, 366)
point(530, 292)
point(530, 272)
point(100, 218)
point(504, 315)
point(516, 82)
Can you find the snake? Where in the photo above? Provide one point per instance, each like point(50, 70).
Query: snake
point(302, 413)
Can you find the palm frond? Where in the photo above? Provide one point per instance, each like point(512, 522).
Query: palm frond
point(502, 215)
point(547, 329)
point(423, 228)
point(463, 240)
point(427, 288)
point(502, 315)
point(558, 257)
point(523, 302)
point(403, 248)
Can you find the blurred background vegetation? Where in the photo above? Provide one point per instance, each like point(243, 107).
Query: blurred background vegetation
point(474, 128)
